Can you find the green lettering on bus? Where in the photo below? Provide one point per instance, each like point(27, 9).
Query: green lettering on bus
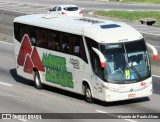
point(56, 70)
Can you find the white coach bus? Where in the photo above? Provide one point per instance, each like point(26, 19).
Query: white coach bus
point(99, 59)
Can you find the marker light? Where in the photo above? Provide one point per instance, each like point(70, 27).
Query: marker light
point(80, 13)
point(63, 13)
point(103, 64)
point(101, 57)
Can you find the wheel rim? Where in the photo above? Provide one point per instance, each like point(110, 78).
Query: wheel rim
point(88, 93)
point(37, 81)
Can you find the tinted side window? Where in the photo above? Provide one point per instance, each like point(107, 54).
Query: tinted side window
point(95, 62)
point(17, 31)
point(82, 49)
point(38, 36)
point(33, 36)
point(20, 30)
point(67, 43)
point(78, 47)
point(53, 41)
point(91, 43)
point(57, 41)
point(42, 38)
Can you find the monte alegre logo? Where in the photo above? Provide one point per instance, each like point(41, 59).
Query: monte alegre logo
point(29, 58)
point(56, 70)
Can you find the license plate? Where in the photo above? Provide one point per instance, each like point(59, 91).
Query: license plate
point(131, 95)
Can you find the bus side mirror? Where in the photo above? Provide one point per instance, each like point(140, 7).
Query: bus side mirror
point(101, 57)
point(155, 52)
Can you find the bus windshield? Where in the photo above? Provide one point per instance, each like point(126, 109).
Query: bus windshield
point(126, 62)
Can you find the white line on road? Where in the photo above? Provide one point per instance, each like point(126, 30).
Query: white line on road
point(149, 33)
point(129, 120)
point(22, 5)
point(6, 84)
point(3, 3)
point(6, 42)
point(99, 111)
point(8, 95)
point(15, 5)
point(47, 8)
point(156, 76)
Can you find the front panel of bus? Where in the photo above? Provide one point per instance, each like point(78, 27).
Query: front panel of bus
point(127, 74)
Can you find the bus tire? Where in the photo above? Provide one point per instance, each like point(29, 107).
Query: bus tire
point(37, 80)
point(88, 94)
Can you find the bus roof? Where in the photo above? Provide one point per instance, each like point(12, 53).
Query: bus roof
point(99, 30)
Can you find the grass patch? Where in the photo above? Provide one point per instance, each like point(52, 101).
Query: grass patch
point(130, 15)
point(143, 1)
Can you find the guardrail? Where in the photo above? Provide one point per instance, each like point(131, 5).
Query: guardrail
point(7, 17)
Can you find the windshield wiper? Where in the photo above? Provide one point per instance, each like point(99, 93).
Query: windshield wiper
point(136, 72)
point(126, 58)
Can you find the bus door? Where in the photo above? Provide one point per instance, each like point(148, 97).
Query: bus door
point(98, 72)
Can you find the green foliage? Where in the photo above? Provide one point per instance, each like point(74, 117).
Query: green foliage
point(143, 1)
point(131, 15)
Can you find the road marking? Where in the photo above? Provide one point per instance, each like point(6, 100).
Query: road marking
point(99, 111)
point(15, 5)
point(156, 76)
point(6, 84)
point(5, 95)
point(129, 120)
point(3, 3)
point(149, 33)
point(6, 42)
point(46, 8)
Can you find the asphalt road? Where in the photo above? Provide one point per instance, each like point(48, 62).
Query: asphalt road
point(89, 4)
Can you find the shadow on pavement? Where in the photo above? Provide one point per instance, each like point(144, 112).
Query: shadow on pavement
point(22, 80)
point(124, 102)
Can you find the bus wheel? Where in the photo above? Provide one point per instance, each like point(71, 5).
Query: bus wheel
point(88, 94)
point(37, 80)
